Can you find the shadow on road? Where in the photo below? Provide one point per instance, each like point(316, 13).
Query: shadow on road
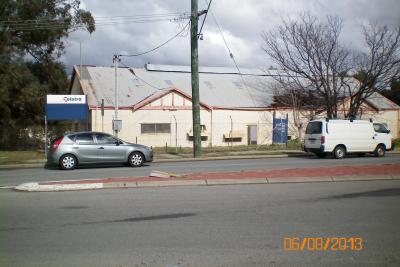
point(127, 220)
point(390, 192)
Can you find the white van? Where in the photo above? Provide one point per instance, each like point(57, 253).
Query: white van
point(347, 136)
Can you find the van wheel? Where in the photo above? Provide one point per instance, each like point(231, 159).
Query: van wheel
point(339, 152)
point(68, 162)
point(136, 159)
point(379, 151)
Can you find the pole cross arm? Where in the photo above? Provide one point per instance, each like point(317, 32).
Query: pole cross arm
point(201, 13)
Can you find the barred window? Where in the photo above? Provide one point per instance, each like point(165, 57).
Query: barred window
point(154, 128)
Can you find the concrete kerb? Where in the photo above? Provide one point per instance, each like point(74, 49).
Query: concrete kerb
point(36, 187)
point(314, 179)
point(236, 181)
point(344, 178)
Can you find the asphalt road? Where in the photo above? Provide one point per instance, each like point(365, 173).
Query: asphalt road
point(241, 225)
point(15, 177)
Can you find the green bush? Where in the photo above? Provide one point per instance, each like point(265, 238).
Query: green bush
point(396, 144)
point(294, 144)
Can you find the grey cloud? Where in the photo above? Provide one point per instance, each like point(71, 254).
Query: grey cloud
point(242, 21)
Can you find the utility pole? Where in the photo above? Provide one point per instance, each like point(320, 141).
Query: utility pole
point(116, 122)
point(195, 79)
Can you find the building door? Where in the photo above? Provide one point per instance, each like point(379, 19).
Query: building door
point(252, 135)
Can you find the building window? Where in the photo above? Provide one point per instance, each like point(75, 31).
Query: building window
point(203, 132)
point(233, 139)
point(203, 138)
point(233, 136)
point(154, 128)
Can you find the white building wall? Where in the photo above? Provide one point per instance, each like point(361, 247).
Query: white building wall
point(241, 120)
point(221, 124)
point(215, 123)
point(131, 126)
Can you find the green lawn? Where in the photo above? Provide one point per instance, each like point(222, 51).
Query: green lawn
point(13, 157)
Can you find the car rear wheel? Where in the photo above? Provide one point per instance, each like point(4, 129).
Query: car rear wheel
point(68, 162)
point(339, 152)
point(379, 151)
point(136, 159)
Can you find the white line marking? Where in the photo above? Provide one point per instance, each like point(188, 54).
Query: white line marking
point(6, 187)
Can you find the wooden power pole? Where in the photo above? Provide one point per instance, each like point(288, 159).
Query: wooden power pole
point(195, 79)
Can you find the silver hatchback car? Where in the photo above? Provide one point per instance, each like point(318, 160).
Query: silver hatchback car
point(72, 149)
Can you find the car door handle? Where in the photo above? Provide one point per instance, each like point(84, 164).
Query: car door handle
point(101, 147)
point(75, 147)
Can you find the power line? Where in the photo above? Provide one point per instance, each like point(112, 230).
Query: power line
point(43, 24)
point(231, 56)
point(97, 18)
point(159, 46)
point(205, 17)
point(144, 81)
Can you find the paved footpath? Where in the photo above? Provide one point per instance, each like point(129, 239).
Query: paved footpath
point(295, 175)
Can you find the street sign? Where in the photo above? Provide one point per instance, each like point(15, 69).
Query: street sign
point(117, 125)
point(66, 107)
point(280, 130)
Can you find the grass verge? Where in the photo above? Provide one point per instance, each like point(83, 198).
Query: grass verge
point(16, 157)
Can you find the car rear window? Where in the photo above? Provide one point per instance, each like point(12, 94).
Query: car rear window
point(314, 127)
point(72, 137)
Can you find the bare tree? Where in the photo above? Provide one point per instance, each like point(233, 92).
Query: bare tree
point(294, 93)
point(375, 68)
point(310, 50)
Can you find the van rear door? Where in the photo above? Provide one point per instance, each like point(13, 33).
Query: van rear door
point(312, 139)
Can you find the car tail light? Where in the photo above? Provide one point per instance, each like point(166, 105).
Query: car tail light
point(322, 139)
point(56, 143)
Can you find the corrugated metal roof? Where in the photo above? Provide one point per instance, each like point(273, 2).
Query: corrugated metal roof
point(224, 91)
point(382, 102)
point(219, 87)
point(215, 70)
point(101, 84)
point(216, 89)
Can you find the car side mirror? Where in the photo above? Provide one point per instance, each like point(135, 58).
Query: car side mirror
point(388, 131)
point(117, 143)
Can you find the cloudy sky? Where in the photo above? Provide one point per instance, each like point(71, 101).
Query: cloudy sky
point(241, 21)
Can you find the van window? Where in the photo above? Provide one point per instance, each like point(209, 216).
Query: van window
point(380, 128)
point(314, 127)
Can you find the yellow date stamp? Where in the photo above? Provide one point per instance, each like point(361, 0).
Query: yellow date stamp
point(323, 243)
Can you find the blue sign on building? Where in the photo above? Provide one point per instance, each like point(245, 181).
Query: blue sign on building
point(66, 107)
point(280, 130)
